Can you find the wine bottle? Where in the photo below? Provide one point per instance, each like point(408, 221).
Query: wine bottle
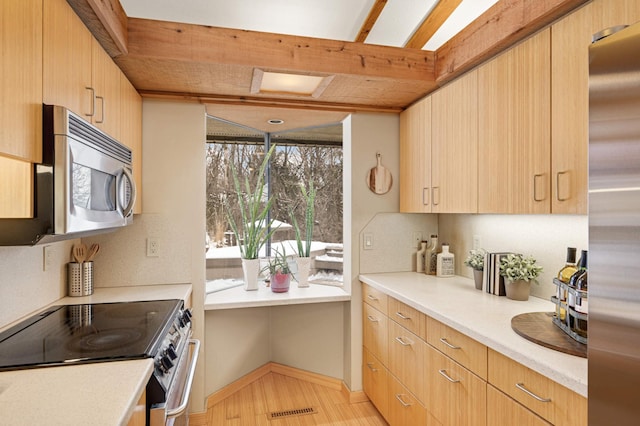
point(571, 296)
point(420, 257)
point(564, 275)
point(582, 304)
point(430, 256)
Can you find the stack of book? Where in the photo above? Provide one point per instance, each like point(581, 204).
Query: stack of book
point(493, 283)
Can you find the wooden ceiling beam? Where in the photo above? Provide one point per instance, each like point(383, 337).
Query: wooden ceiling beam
point(368, 24)
point(501, 26)
point(432, 23)
point(178, 42)
point(107, 21)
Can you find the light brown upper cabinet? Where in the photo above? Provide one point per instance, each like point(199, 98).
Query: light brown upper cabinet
point(454, 146)
point(570, 42)
point(131, 131)
point(105, 79)
point(514, 103)
point(415, 158)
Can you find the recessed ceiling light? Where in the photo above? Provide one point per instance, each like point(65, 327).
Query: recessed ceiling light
point(275, 121)
point(289, 84)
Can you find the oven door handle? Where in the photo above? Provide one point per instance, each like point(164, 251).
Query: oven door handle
point(180, 409)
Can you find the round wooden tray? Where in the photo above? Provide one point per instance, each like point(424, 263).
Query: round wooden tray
point(538, 328)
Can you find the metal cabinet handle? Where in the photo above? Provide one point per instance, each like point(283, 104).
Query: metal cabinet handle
point(425, 196)
point(404, 404)
point(370, 365)
point(402, 316)
point(558, 186)
point(372, 318)
point(93, 101)
point(371, 297)
point(531, 394)
point(444, 374)
point(102, 115)
point(535, 187)
point(184, 401)
point(433, 195)
point(402, 342)
point(443, 340)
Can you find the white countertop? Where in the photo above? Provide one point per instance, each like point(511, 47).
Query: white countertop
point(484, 317)
point(103, 393)
point(238, 297)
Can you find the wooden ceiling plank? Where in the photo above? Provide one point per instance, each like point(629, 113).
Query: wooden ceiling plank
point(107, 21)
point(201, 44)
point(432, 22)
point(501, 26)
point(368, 24)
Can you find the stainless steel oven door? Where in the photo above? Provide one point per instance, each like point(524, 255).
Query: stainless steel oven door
point(174, 411)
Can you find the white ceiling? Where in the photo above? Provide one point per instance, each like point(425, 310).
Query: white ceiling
point(329, 19)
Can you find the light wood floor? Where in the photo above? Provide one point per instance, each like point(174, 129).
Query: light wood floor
point(275, 392)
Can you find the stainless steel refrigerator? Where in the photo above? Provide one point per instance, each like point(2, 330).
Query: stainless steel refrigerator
point(614, 228)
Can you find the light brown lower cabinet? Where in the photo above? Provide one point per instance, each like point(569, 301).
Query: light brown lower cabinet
point(404, 407)
point(504, 411)
point(375, 382)
point(406, 359)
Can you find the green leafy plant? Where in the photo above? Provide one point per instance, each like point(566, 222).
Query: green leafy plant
point(518, 267)
point(475, 260)
point(256, 227)
point(309, 195)
point(279, 264)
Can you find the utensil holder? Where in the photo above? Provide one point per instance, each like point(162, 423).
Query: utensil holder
point(80, 278)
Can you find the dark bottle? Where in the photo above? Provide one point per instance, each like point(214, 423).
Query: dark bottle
point(571, 296)
point(582, 303)
point(564, 275)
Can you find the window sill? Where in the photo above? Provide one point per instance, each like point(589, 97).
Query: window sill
point(238, 297)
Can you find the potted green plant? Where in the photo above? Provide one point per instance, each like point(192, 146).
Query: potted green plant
point(518, 272)
point(255, 228)
point(303, 260)
point(280, 273)
point(475, 260)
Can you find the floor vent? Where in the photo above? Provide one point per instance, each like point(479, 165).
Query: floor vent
point(290, 413)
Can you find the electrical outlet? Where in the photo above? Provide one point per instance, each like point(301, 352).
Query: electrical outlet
point(477, 242)
point(47, 258)
point(367, 241)
point(416, 238)
point(153, 247)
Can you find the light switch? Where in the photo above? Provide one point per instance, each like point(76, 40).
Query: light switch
point(368, 241)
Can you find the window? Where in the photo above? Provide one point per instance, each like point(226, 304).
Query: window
point(301, 156)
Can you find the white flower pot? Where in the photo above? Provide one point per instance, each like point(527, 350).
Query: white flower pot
point(304, 265)
point(250, 270)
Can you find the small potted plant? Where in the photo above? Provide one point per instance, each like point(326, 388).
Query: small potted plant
point(280, 273)
point(475, 260)
point(303, 261)
point(518, 272)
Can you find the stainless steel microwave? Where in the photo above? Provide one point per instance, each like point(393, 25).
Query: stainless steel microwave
point(84, 185)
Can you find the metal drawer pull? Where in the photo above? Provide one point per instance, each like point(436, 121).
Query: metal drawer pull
point(404, 404)
point(531, 394)
point(402, 316)
point(402, 342)
point(443, 340)
point(372, 319)
point(444, 374)
point(371, 297)
point(370, 365)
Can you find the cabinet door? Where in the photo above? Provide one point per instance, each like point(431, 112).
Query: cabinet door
point(131, 132)
point(16, 189)
point(375, 332)
point(406, 359)
point(454, 146)
point(106, 82)
point(415, 158)
point(375, 382)
point(455, 396)
point(404, 408)
point(570, 40)
point(21, 80)
point(504, 411)
point(514, 129)
point(66, 59)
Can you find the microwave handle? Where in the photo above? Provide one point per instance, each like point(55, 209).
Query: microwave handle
point(126, 210)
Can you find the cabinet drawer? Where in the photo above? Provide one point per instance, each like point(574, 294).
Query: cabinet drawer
point(504, 411)
point(375, 382)
point(375, 332)
point(461, 348)
point(406, 358)
point(454, 395)
point(374, 297)
point(408, 317)
point(543, 396)
point(404, 408)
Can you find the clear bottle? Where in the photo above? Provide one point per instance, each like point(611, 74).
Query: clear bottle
point(582, 303)
point(445, 262)
point(573, 281)
point(420, 257)
point(564, 275)
point(430, 264)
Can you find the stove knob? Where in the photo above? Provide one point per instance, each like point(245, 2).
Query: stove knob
point(187, 313)
point(166, 363)
point(171, 351)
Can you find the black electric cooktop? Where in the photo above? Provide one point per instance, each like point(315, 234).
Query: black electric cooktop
point(71, 334)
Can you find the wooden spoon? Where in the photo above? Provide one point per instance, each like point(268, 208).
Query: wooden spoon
point(93, 251)
point(79, 252)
